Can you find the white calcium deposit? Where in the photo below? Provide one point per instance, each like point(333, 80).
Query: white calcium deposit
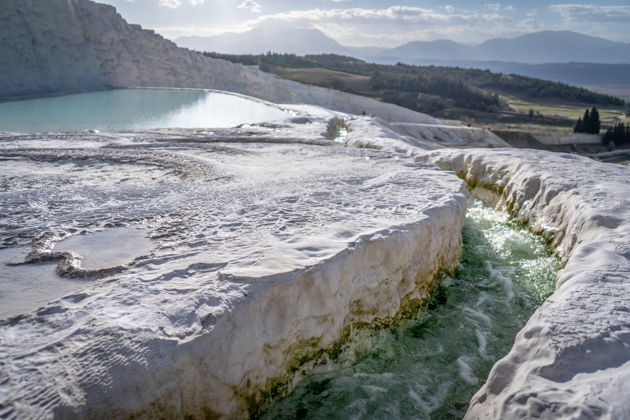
point(558, 138)
point(51, 46)
point(447, 135)
point(572, 359)
point(268, 243)
point(56, 46)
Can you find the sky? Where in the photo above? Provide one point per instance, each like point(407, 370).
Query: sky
point(383, 23)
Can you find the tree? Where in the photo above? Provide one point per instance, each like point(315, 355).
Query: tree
point(590, 123)
point(595, 123)
point(586, 122)
point(609, 138)
point(619, 135)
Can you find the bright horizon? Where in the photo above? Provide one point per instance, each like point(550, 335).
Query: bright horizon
point(382, 23)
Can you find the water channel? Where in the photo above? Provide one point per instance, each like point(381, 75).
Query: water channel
point(430, 366)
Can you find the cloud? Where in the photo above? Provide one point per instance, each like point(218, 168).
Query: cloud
point(449, 8)
point(251, 5)
point(530, 25)
point(495, 7)
point(395, 25)
point(573, 13)
point(173, 4)
point(400, 15)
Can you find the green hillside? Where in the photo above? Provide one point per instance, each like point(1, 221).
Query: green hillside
point(478, 96)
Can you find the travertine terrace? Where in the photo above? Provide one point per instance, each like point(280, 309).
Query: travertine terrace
point(267, 250)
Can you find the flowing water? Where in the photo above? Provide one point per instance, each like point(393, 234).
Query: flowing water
point(431, 366)
point(126, 109)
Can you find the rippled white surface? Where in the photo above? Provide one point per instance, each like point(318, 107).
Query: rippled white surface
point(126, 109)
point(245, 212)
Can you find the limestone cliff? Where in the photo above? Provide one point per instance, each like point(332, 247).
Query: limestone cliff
point(49, 46)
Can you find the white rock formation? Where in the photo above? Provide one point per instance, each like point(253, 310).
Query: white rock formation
point(572, 359)
point(556, 138)
point(55, 46)
point(447, 135)
point(266, 251)
point(415, 138)
point(50, 46)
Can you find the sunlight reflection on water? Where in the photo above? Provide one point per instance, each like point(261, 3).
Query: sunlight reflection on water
point(126, 109)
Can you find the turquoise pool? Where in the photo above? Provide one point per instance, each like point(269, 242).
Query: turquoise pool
point(134, 109)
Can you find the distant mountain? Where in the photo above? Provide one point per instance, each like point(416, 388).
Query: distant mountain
point(555, 47)
point(267, 37)
point(442, 49)
point(534, 48)
point(575, 58)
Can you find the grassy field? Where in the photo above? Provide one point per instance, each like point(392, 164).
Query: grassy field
point(512, 121)
point(327, 78)
point(608, 116)
point(509, 119)
point(473, 97)
point(548, 116)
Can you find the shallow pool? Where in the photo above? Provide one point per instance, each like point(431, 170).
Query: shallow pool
point(132, 109)
point(108, 248)
point(430, 366)
point(24, 288)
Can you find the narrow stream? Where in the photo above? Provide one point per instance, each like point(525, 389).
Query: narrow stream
point(431, 366)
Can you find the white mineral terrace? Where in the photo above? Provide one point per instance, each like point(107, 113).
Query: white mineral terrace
point(246, 250)
point(193, 273)
point(250, 248)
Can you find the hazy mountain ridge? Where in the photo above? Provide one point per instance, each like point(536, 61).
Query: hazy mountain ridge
point(563, 56)
point(267, 38)
point(534, 48)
